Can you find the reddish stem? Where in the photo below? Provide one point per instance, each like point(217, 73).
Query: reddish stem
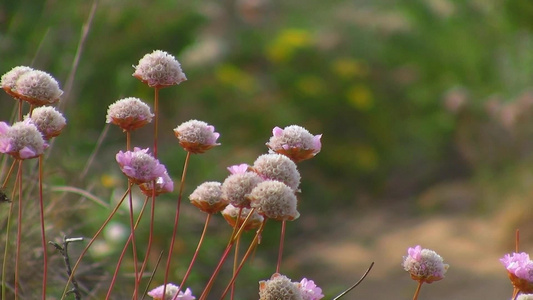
point(150, 235)
point(207, 219)
point(176, 219)
point(246, 255)
point(415, 297)
point(69, 280)
point(19, 229)
point(43, 234)
point(156, 118)
point(282, 238)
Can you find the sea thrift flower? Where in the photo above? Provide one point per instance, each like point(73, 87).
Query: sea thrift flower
point(424, 265)
point(275, 200)
point(525, 297)
point(163, 184)
point(238, 169)
point(520, 270)
point(129, 114)
point(159, 69)
point(208, 197)
point(9, 79)
point(309, 290)
point(48, 120)
point(237, 187)
point(37, 88)
point(278, 167)
point(231, 214)
point(196, 136)
point(295, 142)
point(22, 140)
point(170, 293)
point(279, 287)
point(140, 166)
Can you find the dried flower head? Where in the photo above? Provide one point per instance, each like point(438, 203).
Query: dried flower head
point(22, 140)
point(238, 169)
point(295, 142)
point(37, 87)
point(278, 167)
point(237, 187)
point(170, 293)
point(140, 166)
point(159, 69)
point(279, 287)
point(309, 290)
point(424, 265)
point(9, 79)
point(196, 136)
point(520, 270)
point(274, 200)
point(163, 184)
point(48, 120)
point(129, 114)
point(231, 214)
point(208, 197)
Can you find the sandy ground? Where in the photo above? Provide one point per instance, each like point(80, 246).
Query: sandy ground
point(471, 245)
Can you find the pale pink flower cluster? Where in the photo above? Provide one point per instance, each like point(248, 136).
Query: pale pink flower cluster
point(519, 264)
point(171, 293)
point(22, 140)
point(424, 265)
point(140, 166)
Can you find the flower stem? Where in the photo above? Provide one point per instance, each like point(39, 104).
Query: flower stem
point(235, 260)
point(246, 255)
point(6, 247)
point(134, 247)
point(19, 228)
point(69, 280)
point(415, 297)
point(184, 280)
point(9, 174)
point(176, 219)
point(43, 232)
point(282, 238)
point(156, 118)
point(123, 253)
point(150, 235)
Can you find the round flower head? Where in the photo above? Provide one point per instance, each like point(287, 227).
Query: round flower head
point(170, 293)
point(525, 297)
point(159, 69)
point(309, 290)
point(140, 166)
point(275, 200)
point(48, 120)
point(37, 87)
point(238, 169)
point(9, 79)
point(278, 167)
point(196, 136)
point(231, 214)
point(295, 142)
point(129, 114)
point(279, 287)
point(208, 197)
point(424, 265)
point(236, 188)
point(520, 270)
point(22, 140)
point(163, 184)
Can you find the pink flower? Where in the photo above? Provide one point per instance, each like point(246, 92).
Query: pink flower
point(196, 136)
point(22, 140)
point(163, 184)
point(309, 290)
point(424, 265)
point(170, 293)
point(295, 142)
point(520, 271)
point(238, 169)
point(140, 166)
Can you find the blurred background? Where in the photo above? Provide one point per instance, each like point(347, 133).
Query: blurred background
point(425, 108)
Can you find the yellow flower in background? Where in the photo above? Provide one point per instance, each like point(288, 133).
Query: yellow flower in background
point(366, 157)
point(233, 76)
point(348, 68)
point(285, 45)
point(311, 85)
point(109, 181)
point(360, 97)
